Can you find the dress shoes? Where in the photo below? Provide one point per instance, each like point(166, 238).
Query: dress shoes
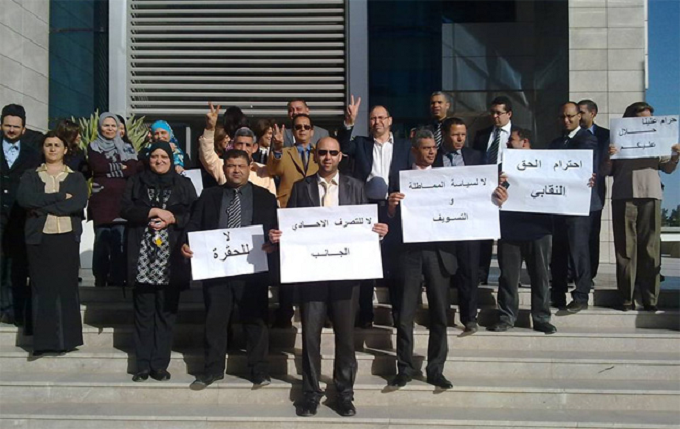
point(470, 328)
point(261, 379)
point(576, 306)
point(364, 324)
point(346, 408)
point(545, 327)
point(652, 308)
point(307, 408)
point(160, 375)
point(202, 382)
point(627, 306)
point(440, 381)
point(501, 327)
point(400, 380)
point(141, 375)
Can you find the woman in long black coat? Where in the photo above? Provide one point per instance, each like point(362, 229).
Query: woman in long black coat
point(156, 204)
point(54, 197)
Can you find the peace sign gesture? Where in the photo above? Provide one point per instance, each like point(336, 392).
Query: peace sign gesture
point(352, 111)
point(277, 138)
point(211, 116)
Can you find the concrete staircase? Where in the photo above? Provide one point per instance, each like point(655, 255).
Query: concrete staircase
point(603, 369)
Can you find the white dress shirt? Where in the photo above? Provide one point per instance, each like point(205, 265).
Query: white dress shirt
point(505, 136)
point(11, 151)
point(328, 191)
point(382, 159)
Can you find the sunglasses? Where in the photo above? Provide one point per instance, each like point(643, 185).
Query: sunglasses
point(324, 152)
point(303, 127)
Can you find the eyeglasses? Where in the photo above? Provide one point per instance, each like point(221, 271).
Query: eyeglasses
point(303, 127)
point(378, 118)
point(324, 152)
point(496, 113)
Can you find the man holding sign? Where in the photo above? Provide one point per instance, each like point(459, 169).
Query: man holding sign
point(327, 188)
point(636, 213)
point(236, 204)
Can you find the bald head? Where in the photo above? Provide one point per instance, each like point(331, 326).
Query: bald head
point(328, 156)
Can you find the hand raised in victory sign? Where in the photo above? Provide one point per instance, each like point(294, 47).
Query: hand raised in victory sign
point(277, 138)
point(352, 111)
point(212, 116)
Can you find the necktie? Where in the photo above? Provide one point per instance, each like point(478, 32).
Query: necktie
point(234, 211)
point(450, 157)
point(326, 201)
point(438, 133)
point(492, 153)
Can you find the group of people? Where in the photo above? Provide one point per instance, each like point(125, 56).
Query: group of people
point(143, 208)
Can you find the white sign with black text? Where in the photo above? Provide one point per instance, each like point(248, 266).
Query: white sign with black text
point(643, 137)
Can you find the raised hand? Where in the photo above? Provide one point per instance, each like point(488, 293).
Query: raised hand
point(212, 116)
point(352, 111)
point(277, 137)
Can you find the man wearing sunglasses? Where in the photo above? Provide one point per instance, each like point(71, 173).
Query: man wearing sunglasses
point(328, 188)
point(296, 107)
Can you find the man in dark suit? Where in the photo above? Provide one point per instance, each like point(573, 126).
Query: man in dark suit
point(15, 158)
point(440, 104)
point(491, 142)
point(588, 110)
point(377, 162)
point(524, 236)
point(453, 153)
point(571, 234)
point(328, 188)
point(296, 107)
point(237, 203)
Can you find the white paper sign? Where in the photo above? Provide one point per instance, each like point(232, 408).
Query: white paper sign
point(548, 181)
point(644, 137)
point(227, 252)
point(329, 243)
point(196, 179)
point(449, 204)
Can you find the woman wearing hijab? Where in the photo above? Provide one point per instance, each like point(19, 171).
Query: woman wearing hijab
point(54, 196)
point(163, 132)
point(156, 205)
point(111, 161)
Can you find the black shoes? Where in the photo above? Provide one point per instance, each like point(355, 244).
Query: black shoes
point(652, 308)
point(364, 324)
point(400, 380)
point(261, 379)
point(141, 375)
point(576, 306)
point(204, 381)
point(307, 408)
point(346, 408)
point(545, 327)
point(160, 375)
point(627, 306)
point(501, 327)
point(470, 328)
point(440, 381)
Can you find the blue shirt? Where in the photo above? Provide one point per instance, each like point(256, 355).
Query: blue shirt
point(11, 151)
point(453, 158)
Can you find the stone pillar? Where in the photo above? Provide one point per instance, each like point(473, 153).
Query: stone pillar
point(607, 48)
point(24, 58)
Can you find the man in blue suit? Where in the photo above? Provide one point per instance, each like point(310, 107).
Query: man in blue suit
point(378, 158)
point(571, 234)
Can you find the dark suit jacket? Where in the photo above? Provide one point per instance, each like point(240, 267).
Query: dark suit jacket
point(602, 136)
point(481, 140)
point(470, 157)
point(305, 192)
point(361, 150)
point(583, 140)
point(206, 215)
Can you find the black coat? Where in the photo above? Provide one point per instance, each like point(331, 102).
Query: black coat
point(602, 136)
point(361, 150)
point(135, 207)
point(305, 192)
point(470, 157)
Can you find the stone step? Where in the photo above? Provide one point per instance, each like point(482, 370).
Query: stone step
point(208, 416)
point(105, 314)
point(619, 339)
point(488, 392)
point(491, 363)
point(604, 297)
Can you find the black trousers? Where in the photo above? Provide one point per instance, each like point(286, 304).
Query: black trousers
point(414, 264)
point(285, 312)
point(15, 293)
point(155, 316)
point(594, 242)
point(536, 253)
point(317, 300)
point(571, 235)
point(485, 256)
point(467, 279)
point(221, 297)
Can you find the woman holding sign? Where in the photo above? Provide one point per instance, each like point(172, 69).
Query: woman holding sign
point(156, 204)
point(636, 218)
